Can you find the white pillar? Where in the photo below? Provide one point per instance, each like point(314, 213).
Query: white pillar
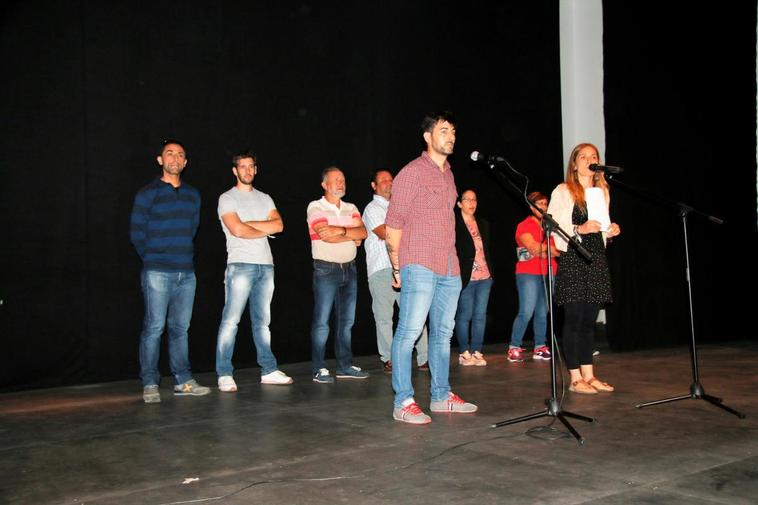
point(581, 41)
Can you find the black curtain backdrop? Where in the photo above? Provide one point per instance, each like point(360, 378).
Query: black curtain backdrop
point(90, 89)
point(680, 108)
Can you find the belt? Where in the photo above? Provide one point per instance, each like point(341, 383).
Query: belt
point(333, 264)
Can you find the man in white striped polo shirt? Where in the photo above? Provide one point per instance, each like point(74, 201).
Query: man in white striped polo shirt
point(336, 230)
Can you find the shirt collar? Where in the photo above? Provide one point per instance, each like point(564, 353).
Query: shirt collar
point(381, 200)
point(163, 184)
point(431, 162)
point(326, 202)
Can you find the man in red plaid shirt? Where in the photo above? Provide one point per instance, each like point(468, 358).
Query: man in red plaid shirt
point(420, 237)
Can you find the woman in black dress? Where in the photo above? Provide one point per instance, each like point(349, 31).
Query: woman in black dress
point(582, 286)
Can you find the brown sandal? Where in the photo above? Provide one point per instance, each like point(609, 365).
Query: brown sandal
point(600, 385)
point(582, 388)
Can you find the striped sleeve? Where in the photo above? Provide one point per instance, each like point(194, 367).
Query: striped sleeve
point(355, 214)
point(196, 217)
point(139, 219)
point(316, 215)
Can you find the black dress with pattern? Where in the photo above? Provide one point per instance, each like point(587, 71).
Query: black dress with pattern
point(578, 279)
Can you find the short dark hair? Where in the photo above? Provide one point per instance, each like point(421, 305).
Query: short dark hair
point(460, 195)
point(432, 118)
point(241, 156)
point(171, 141)
point(376, 173)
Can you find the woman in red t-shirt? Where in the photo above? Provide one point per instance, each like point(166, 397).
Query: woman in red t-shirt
point(531, 278)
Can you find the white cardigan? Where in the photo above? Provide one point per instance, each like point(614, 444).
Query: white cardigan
point(561, 206)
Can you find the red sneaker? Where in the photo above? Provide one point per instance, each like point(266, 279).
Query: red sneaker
point(515, 355)
point(542, 353)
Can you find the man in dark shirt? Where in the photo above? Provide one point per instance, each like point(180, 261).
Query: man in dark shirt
point(420, 237)
point(164, 221)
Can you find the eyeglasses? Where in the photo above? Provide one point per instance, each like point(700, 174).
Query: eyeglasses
point(468, 199)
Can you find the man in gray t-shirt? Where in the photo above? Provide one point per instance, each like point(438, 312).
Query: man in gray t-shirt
point(248, 217)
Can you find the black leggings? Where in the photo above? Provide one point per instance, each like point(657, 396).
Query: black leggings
point(579, 333)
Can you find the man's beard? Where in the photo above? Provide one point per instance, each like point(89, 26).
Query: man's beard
point(445, 150)
point(173, 169)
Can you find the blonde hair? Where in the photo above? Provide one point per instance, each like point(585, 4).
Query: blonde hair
point(572, 177)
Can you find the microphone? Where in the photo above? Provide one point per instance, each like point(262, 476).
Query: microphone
point(606, 168)
point(477, 156)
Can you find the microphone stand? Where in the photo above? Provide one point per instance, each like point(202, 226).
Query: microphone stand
point(697, 392)
point(552, 405)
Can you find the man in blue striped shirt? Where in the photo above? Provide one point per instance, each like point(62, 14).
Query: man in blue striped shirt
point(164, 221)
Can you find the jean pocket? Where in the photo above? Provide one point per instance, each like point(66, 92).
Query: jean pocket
point(321, 270)
point(231, 269)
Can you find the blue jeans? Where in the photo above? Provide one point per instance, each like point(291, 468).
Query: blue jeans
point(531, 301)
point(334, 285)
point(168, 302)
point(253, 283)
point(471, 316)
point(424, 293)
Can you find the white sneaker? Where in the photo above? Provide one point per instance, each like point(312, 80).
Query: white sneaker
point(226, 384)
point(276, 377)
point(151, 394)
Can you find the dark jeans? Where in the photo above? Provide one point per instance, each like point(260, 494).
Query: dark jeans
point(471, 316)
point(334, 286)
point(579, 333)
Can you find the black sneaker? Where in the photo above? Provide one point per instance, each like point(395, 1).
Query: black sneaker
point(353, 372)
point(323, 377)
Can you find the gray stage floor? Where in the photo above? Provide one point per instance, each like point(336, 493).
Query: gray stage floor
point(326, 444)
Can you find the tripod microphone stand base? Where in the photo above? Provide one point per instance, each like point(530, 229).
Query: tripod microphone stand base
point(696, 393)
point(554, 410)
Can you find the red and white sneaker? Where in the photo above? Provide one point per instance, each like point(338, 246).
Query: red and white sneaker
point(454, 404)
point(542, 353)
point(411, 413)
point(515, 355)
